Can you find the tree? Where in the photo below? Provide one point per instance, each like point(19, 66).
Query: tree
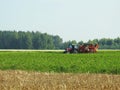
point(50, 44)
point(109, 42)
point(80, 42)
point(57, 41)
point(13, 44)
point(21, 36)
point(73, 42)
point(36, 40)
point(27, 41)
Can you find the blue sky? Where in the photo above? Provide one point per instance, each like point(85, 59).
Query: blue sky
point(70, 19)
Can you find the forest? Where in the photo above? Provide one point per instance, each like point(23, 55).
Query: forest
point(38, 40)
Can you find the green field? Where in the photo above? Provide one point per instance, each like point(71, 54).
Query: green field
point(100, 62)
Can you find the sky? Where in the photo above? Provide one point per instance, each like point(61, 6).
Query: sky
point(70, 19)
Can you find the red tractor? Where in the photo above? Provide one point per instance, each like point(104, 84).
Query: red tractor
point(85, 48)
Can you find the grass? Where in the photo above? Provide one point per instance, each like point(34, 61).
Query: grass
point(101, 62)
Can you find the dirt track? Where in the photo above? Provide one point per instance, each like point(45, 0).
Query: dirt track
point(21, 80)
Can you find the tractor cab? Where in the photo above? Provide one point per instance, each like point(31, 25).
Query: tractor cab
point(72, 48)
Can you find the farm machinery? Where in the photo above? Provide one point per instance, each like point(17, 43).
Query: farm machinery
point(85, 48)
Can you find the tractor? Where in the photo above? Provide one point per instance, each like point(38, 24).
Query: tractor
point(71, 49)
point(85, 48)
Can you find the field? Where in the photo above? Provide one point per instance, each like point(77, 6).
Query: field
point(22, 80)
point(101, 62)
point(28, 70)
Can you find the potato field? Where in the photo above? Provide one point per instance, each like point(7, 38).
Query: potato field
point(101, 62)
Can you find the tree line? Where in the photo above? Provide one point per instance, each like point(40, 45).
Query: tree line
point(29, 40)
point(38, 40)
